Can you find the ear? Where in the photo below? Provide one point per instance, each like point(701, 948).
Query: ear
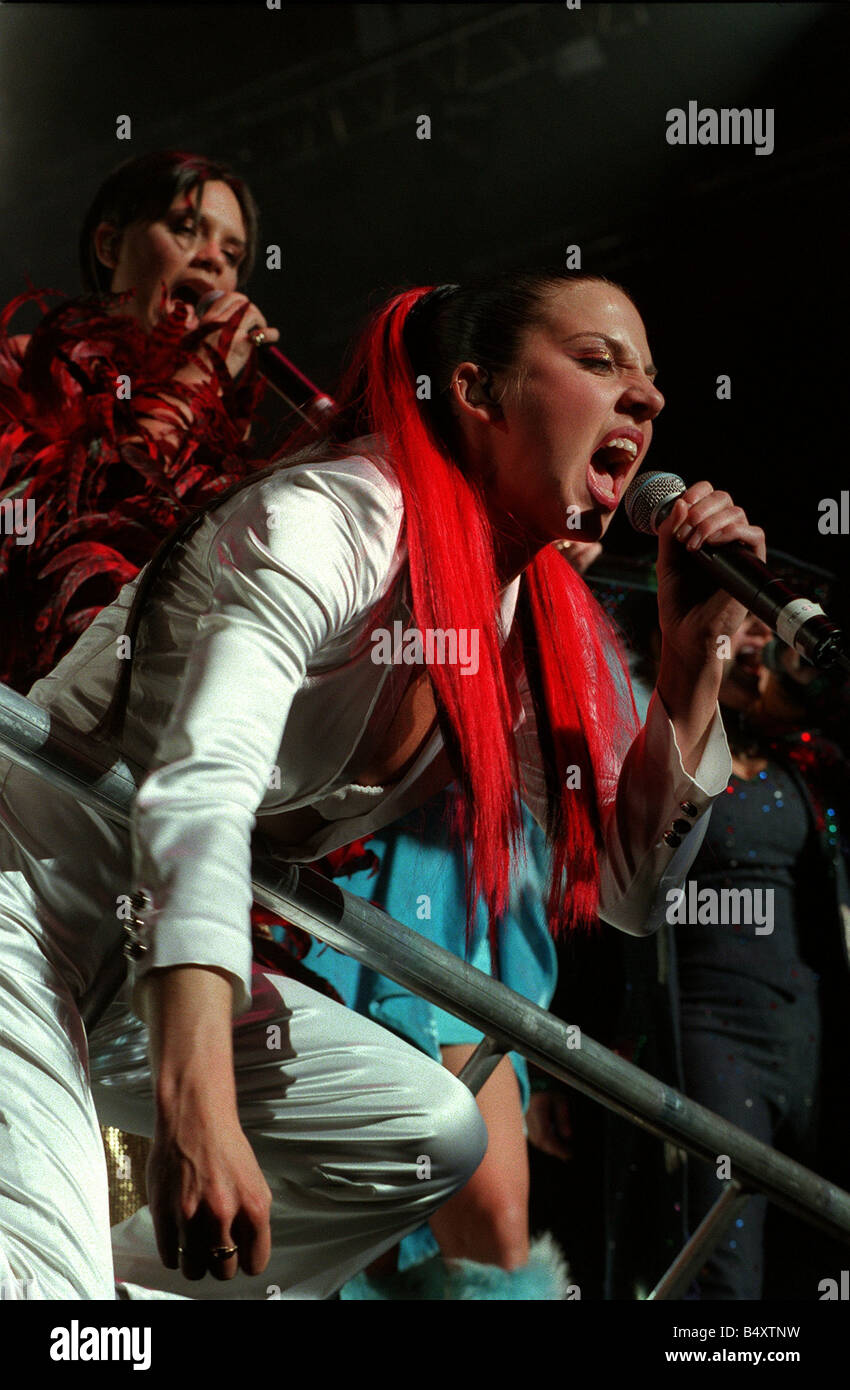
point(471, 393)
point(107, 244)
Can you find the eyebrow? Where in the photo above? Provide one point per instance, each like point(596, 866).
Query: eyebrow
point(613, 344)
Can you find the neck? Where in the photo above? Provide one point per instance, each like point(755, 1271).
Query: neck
point(513, 547)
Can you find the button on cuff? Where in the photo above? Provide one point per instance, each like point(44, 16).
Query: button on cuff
point(134, 927)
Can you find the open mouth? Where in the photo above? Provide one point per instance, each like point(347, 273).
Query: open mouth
point(751, 657)
point(608, 469)
point(187, 294)
point(748, 668)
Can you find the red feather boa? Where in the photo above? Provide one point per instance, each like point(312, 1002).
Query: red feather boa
point(104, 490)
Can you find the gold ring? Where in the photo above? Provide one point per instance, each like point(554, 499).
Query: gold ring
point(257, 336)
point(223, 1252)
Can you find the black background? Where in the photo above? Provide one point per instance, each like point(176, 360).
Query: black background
point(548, 128)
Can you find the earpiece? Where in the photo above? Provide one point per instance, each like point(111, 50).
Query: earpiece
point(480, 393)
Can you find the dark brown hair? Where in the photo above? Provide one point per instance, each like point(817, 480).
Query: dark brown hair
point(143, 189)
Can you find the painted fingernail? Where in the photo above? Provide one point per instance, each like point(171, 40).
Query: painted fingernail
point(694, 542)
point(683, 532)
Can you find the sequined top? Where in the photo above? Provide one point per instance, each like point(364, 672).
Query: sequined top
point(761, 839)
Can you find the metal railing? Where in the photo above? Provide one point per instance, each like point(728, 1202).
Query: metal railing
point(66, 759)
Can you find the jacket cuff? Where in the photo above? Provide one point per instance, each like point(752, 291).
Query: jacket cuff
point(675, 821)
point(145, 953)
point(715, 766)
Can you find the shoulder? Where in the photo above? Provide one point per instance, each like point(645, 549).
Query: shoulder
point(318, 518)
point(363, 485)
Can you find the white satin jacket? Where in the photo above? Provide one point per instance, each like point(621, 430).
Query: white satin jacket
point(253, 685)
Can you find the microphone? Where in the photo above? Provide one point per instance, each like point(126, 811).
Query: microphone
point(283, 376)
point(799, 622)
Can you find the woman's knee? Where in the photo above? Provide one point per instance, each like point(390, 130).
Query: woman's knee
point(459, 1134)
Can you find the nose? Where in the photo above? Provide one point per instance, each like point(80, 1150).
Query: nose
point(209, 256)
point(642, 399)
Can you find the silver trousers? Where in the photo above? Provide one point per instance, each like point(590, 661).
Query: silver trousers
point(360, 1136)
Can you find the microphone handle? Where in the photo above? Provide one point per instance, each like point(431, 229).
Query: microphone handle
point(799, 622)
point(300, 393)
point(289, 381)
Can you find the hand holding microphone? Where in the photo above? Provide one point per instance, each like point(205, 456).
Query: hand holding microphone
point(726, 550)
point(252, 329)
point(255, 335)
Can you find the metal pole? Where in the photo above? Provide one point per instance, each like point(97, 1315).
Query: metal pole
point(363, 931)
point(481, 1065)
point(692, 1256)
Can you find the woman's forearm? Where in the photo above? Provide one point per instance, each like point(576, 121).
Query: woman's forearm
point(190, 1013)
point(690, 697)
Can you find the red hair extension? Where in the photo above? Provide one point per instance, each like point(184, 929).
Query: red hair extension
point(453, 585)
point(587, 716)
point(582, 704)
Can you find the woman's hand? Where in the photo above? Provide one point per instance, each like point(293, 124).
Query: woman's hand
point(250, 318)
point(167, 419)
point(694, 614)
point(207, 1193)
point(580, 554)
point(548, 1123)
point(205, 1187)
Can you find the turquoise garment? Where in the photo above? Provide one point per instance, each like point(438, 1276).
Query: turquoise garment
point(420, 881)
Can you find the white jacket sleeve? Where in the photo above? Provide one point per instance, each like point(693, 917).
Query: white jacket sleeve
point(298, 561)
point(656, 821)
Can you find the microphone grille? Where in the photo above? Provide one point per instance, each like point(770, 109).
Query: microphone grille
point(206, 301)
point(646, 493)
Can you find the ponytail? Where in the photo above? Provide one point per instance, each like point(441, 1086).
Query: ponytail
point(577, 677)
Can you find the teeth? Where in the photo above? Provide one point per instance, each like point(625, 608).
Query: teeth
point(627, 444)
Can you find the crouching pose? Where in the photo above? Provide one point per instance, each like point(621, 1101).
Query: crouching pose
point(271, 691)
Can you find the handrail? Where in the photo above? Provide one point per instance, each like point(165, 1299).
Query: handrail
point(31, 738)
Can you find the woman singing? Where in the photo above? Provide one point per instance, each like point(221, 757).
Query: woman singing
point(123, 412)
point(477, 426)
